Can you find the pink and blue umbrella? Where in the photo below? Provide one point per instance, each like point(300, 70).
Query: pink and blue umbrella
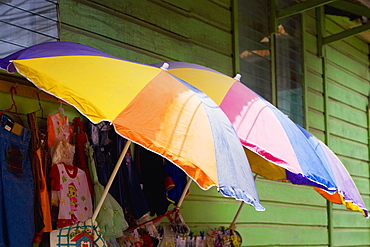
point(276, 148)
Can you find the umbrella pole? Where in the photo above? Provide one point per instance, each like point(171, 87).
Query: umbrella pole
point(184, 193)
point(110, 181)
point(232, 225)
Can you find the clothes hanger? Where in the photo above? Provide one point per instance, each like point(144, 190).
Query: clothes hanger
point(13, 90)
point(61, 111)
point(40, 106)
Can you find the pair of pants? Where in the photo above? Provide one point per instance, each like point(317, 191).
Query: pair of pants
point(16, 185)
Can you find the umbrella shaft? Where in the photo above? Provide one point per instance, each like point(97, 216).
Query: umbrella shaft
point(184, 193)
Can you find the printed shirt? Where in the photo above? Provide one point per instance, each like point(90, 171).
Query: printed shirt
point(74, 198)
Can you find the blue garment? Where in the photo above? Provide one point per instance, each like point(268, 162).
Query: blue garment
point(16, 185)
point(137, 201)
point(175, 182)
point(102, 137)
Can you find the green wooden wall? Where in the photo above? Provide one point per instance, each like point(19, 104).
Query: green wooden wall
point(151, 31)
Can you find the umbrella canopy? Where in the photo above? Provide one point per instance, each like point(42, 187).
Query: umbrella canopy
point(276, 148)
point(347, 192)
point(146, 105)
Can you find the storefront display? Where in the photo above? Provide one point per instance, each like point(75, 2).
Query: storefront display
point(59, 189)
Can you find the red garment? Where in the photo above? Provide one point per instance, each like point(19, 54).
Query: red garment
point(80, 138)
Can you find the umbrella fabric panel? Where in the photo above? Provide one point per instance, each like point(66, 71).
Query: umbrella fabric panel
point(312, 167)
point(164, 123)
point(347, 193)
point(79, 88)
point(50, 49)
point(230, 174)
point(239, 104)
point(252, 120)
point(216, 90)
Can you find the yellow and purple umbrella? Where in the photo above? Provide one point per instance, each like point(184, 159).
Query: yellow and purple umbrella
point(146, 105)
point(276, 148)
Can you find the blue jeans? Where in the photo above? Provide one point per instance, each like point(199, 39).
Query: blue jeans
point(16, 187)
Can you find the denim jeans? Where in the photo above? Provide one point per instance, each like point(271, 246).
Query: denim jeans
point(16, 186)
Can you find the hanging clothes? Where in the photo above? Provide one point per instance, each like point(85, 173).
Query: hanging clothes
point(152, 175)
point(58, 129)
point(175, 182)
point(103, 139)
point(16, 185)
point(80, 139)
point(103, 147)
point(111, 218)
point(73, 195)
point(42, 200)
point(136, 201)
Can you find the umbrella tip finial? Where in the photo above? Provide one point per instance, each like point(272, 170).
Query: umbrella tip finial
point(165, 66)
point(237, 77)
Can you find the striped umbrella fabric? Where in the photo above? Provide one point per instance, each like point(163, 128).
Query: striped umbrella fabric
point(146, 105)
point(347, 192)
point(277, 149)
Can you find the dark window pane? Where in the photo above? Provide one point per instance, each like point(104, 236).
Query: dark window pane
point(255, 61)
point(289, 67)
point(254, 46)
point(25, 23)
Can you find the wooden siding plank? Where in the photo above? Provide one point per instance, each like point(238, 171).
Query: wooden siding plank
point(349, 148)
point(346, 63)
point(274, 191)
point(347, 96)
point(287, 193)
point(348, 131)
point(347, 113)
point(316, 120)
point(275, 214)
point(144, 33)
point(352, 237)
point(191, 53)
point(348, 79)
point(356, 167)
point(110, 46)
point(315, 101)
point(213, 11)
point(313, 81)
point(177, 13)
point(273, 235)
point(313, 63)
point(346, 219)
point(311, 43)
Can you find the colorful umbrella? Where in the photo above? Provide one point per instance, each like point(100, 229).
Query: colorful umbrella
point(146, 105)
point(276, 148)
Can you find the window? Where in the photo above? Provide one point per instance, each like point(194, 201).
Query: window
point(25, 23)
point(254, 46)
point(255, 55)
